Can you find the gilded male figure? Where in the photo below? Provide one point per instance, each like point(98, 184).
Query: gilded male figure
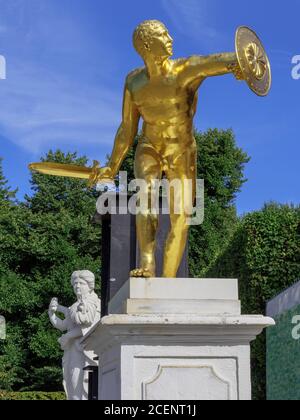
point(164, 93)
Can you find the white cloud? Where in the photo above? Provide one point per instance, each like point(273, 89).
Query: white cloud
point(40, 109)
point(193, 18)
point(43, 103)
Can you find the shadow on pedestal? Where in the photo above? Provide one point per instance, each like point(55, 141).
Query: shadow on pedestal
point(120, 252)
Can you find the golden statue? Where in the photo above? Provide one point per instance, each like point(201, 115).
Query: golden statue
point(164, 93)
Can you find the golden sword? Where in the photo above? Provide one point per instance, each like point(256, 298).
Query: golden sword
point(91, 174)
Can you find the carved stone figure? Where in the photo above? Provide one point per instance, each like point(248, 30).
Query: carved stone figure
point(78, 320)
point(2, 328)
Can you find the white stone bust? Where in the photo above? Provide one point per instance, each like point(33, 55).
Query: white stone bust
point(2, 328)
point(78, 320)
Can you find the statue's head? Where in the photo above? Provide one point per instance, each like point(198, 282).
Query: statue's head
point(152, 39)
point(83, 283)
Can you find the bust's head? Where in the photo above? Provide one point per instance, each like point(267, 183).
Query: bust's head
point(151, 39)
point(83, 283)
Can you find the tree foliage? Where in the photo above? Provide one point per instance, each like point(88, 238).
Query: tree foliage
point(221, 165)
point(32, 396)
point(42, 241)
point(7, 196)
point(264, 254)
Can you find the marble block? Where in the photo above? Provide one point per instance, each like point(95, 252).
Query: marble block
point(199, 350)
point(173, 296)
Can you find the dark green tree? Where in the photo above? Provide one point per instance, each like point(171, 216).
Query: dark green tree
point(221, 165)
point(264, 254)
point(6, 194)
point(10, 356)
point(44, 240)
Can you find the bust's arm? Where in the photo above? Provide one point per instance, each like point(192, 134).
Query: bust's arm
point(63, 310)
point(126, 132)
point(59, 324)
point(197, 67)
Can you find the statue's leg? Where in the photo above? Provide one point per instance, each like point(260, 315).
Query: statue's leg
point(182, 177)
point(148, 169)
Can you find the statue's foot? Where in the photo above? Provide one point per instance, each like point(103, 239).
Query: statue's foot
point(142, 273)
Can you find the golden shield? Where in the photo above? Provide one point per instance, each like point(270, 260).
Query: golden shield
point(253, 60)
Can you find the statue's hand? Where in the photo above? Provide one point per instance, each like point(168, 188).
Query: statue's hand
point(105, 173)
point(237, 71)
point(53, 307)
point(100, 174)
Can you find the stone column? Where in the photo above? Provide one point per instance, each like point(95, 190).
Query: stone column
point(175, 339)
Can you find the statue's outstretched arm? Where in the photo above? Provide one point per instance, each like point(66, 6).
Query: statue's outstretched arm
point(197, 67)
point(59, 324)
point(126, 133)
point(63, 310)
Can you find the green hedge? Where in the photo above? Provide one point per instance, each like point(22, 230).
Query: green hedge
point(28, 396)
point(283, 355)
point(264, 255)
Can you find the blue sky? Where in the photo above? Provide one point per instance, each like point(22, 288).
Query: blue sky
point(67, 61)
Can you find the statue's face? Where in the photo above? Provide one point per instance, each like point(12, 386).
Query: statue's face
point(81, 288)
point(161, 43)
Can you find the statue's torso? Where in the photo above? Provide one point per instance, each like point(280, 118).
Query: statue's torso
point(166, 105)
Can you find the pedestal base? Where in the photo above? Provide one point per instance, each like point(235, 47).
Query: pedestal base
point(181, 356)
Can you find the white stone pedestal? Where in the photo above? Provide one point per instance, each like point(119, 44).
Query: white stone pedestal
point(175, 339)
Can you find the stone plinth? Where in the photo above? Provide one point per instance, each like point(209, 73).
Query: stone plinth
point(174, 296)
point(175, 339)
